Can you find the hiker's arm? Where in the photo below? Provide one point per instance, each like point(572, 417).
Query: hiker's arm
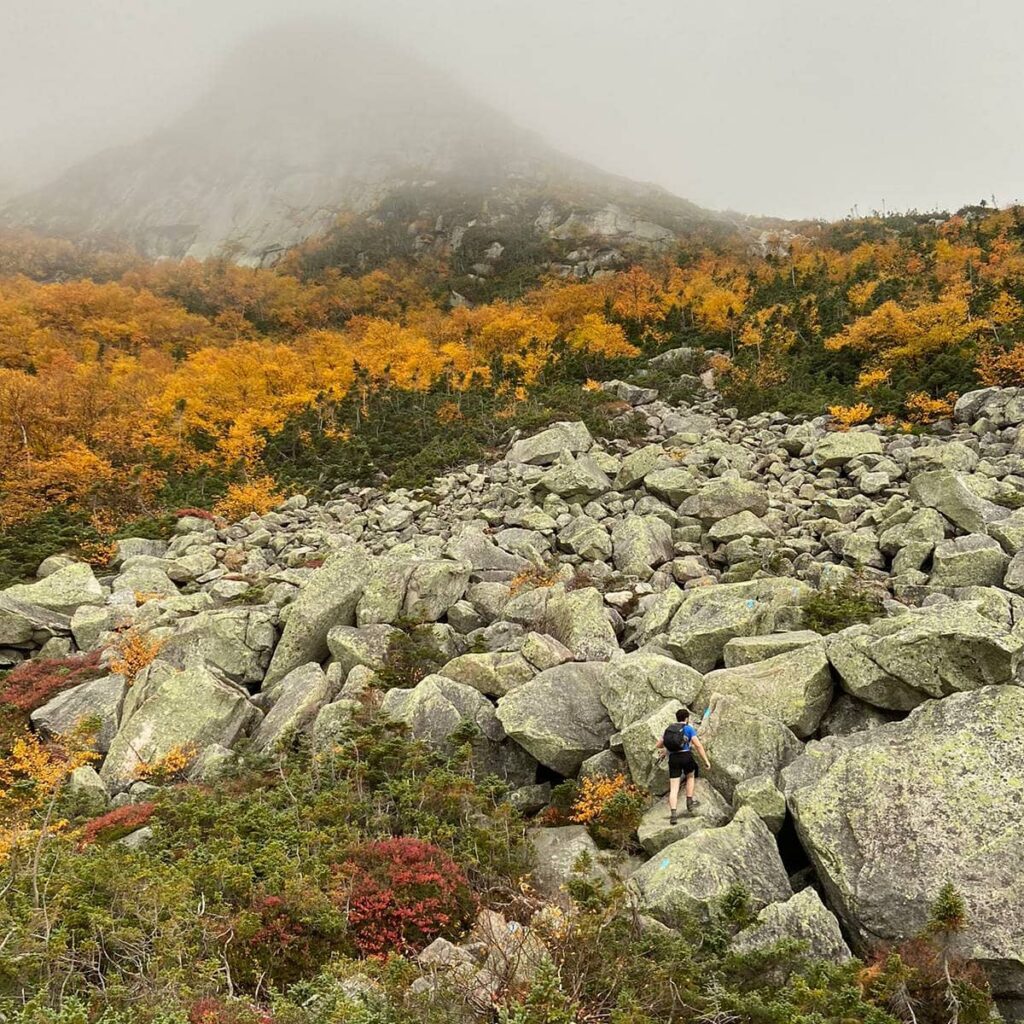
point(659, 747)
point(700, 750)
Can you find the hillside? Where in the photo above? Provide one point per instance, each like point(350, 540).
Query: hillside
point(316, 121)
point(289, 713)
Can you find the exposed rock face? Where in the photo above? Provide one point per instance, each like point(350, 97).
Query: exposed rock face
point(172, 708)
point(802, 917)
point(98, 700)
point(638, 683)
point(891, 814)
point(688, 877)
point(558, 716)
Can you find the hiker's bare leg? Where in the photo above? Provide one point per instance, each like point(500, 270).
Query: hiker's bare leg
point(691, 779)
point(673, 794)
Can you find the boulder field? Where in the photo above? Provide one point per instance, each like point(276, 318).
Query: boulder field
point(573, 595)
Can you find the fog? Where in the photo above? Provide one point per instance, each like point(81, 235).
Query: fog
point(794, 108)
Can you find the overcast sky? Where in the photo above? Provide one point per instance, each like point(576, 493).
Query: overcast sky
point(789, 107)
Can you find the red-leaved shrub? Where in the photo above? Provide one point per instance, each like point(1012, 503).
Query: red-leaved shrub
point(195, 513)
point(211, 1010)
point(116, 823)
point(403, 893)
point(32, 683)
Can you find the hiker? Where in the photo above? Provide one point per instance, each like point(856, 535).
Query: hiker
point(677, 742)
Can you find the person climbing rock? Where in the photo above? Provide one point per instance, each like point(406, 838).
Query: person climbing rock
point(679, 742)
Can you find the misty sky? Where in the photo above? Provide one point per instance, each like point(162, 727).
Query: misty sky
point(787, 107)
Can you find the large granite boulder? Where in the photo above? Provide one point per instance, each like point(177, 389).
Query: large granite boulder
point(897, 663)
point(587, 538)
point(578, 619)
point(366, 645)
point(558, 856)
point(168, 708)
point(641, 544)
point(544, 448)
point(795, 688)
point(575, 479)
point(890, 815)
point(637, 683)
point(972, 561)
point(97, 701)
point(947, 492)
point(327, 599)
point(238, 642)
point(803, 917)
point(558, 716)
point(648, 769)
point(493, 673)
point(743, 744)
point(29, 625)
point(474, 548)
point(708, 617)
point(719, 499)
point(689, 878)
point(656, 830)
point(839, 448)
point(297, 700)
point(62, 591)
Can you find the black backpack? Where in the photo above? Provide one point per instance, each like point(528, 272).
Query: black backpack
point(675, 737)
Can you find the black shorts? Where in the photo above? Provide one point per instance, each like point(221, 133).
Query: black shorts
point(680, 763)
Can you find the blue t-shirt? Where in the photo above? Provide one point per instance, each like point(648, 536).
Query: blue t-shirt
point(688, 732)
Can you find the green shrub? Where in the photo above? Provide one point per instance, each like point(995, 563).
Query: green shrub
point(834, 608)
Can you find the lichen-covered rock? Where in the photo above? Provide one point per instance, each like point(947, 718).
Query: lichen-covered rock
point(656, 831)
point(493, 673)
point(638, 464)
point(328, 598)
point(638, 683)
point(558, 716)
point(742, 744)
point(972, 561)
point(561, 854)
point(708, 617)
point(848, 714)
point(897, 663)
point(640, 544)
point(578, 619)
point(27, 625)
point(361, 645)
point(746, 650)
point(890, 815)
point(803, 917)
point(673, 484)
point(947, 492)
point(689, 878)
point(62, 591)
point(575, 479)
point(795, 688)
point(764, 797)
point(587, 538)
point(297, 700)
point(331, 723)
point(98, 701)
point(722, 498)
point(837, 449)
point(474, 548)
point(238, 642)
point(544, 448)
point(168, 708)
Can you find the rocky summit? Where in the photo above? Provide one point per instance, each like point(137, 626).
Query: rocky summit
point(841, 611)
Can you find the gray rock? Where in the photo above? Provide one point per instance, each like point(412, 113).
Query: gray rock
point(558, 716)
point(742, 525)
point(493, 673)
point(637, 684)
point(86, 787)
point(575, 479)
point(560, 854)
point(708, 617)
point(839, 448)
point(803, 917)
point(474, 548)
point(890, 815)
point(331, 724)
point(972, 561)
point(22, 625)
point(98, 700)
point(640, 544)
point(947, 492)
point(847, 715)
point(720, 499)
point(578, 619)
point(328, 599)
point(366, 645)
point(587, 538)
point(746, 650)
point(638, 464)
point(794, 688)
point(656, 831)
point(62, 591)
point(297, 700)
point(931, 652)
point(689, 878)
point(648, 770)
point(764, 798)
point(742, 744)
point(238, 642)
point(672, 484)
point(169, 708)
point(544, 448)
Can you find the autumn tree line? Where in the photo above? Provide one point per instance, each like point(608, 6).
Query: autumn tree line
point(131, 389)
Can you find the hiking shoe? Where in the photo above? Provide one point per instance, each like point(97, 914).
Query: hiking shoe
point(690, 804)
point(673, 818)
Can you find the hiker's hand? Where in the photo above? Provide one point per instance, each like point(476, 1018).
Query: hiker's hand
point(660, 754)
point(707, 764)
